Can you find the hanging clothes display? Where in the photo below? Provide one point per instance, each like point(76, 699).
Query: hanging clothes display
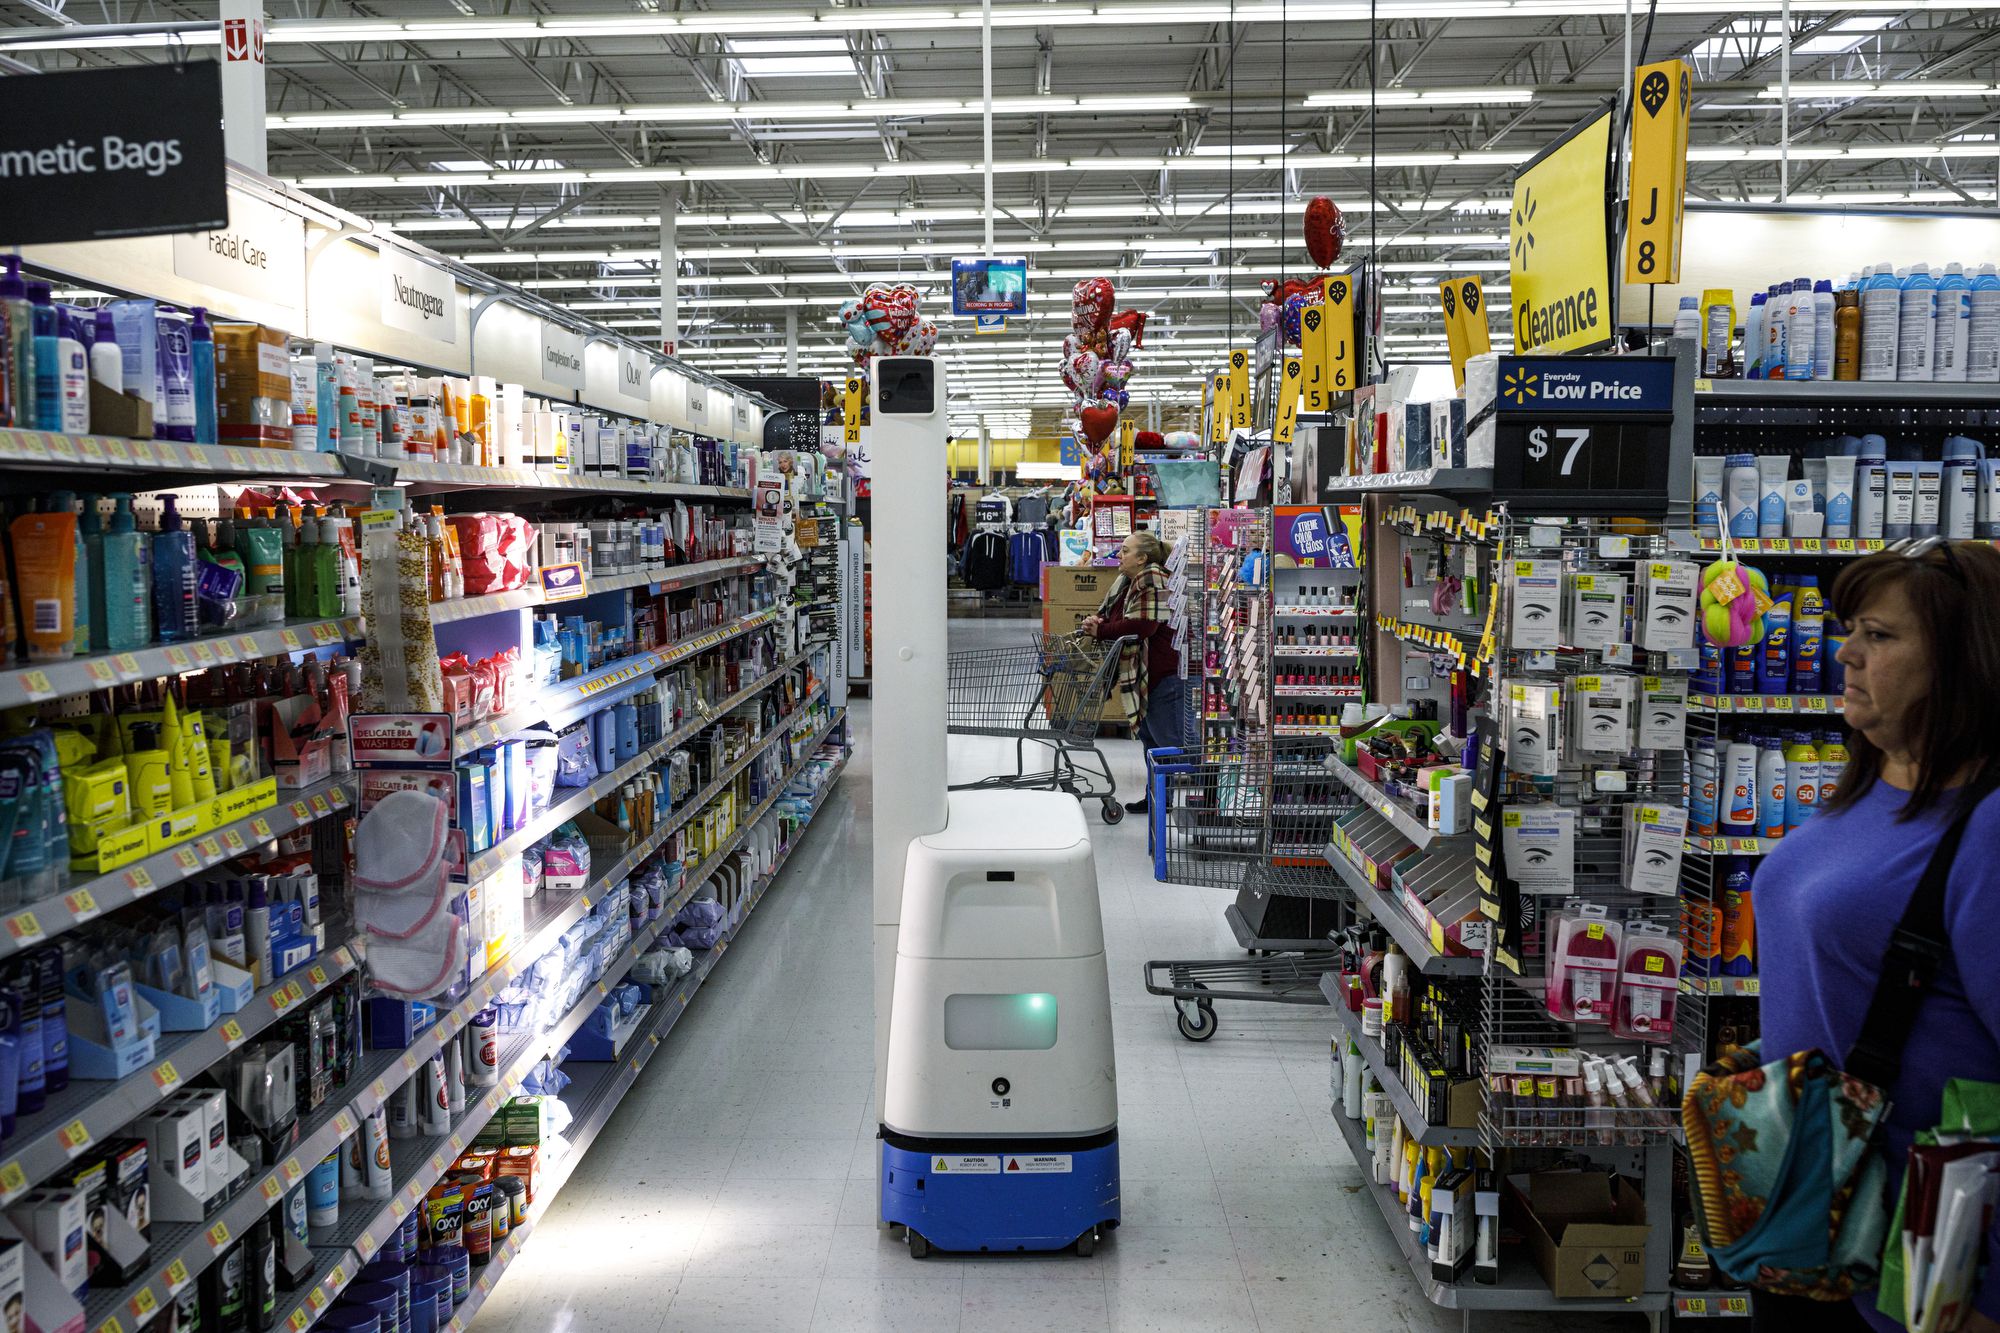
point(984, 563)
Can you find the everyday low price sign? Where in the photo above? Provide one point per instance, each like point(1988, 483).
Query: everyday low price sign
point(90, 155)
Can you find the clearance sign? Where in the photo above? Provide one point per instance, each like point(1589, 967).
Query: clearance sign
point(1559, 244)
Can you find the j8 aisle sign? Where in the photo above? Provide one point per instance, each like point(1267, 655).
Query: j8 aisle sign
point(91, 155)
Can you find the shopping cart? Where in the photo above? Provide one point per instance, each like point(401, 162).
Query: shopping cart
point(1052, 693)
point(1255, 818)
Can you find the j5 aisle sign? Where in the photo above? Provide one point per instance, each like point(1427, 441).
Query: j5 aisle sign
point(94, 154)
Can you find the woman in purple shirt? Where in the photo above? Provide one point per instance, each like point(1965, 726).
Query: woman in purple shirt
point(1923, 704)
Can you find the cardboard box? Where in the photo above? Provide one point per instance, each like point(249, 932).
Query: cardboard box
point(1586, 1230)
point(1085, 586)
point(1059, 618)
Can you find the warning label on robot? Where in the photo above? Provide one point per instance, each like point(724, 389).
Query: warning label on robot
point(966, 1166)
point(1048, 1164)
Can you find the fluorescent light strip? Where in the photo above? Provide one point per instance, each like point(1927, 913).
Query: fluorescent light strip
point(1834, 90)
point(889, 250)
point(723, 113)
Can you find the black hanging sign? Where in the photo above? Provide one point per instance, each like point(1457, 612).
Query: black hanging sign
point(1584, 435)
point(91, 155)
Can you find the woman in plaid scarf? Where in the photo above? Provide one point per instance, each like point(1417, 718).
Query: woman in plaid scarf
point(1149, 674)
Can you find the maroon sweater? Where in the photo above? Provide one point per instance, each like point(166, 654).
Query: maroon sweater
point(1162, 658)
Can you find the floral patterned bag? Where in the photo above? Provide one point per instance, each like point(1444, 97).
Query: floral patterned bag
point(1788, 1179)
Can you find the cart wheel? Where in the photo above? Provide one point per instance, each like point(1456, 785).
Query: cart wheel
point(919, 1247)
point(1086, 1244)
point(1112, 810)
point(1199, 1027)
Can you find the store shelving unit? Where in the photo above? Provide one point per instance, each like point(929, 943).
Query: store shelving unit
point(39, 682)
point(663, 578)
point(1425, 1133)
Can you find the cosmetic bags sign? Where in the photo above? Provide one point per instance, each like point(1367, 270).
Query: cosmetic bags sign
point(261, 253)
point(417, 298)
point(93, 154)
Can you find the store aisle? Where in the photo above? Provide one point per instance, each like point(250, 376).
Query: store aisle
point(735, 1189)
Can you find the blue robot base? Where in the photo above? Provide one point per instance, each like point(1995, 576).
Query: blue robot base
point(987, 1194)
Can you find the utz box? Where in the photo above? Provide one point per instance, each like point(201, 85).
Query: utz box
point(1074, 585)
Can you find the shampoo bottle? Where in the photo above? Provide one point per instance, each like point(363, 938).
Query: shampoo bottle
point(72, 376)
point(48, 369)
point(130, 550)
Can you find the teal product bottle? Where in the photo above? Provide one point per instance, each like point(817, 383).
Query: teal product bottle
point(326, 391)
point(48, 359)
point(64, 502)
point(17, 348)
point(102, 612)
point(125, 604)
point(174, 577)
point(202, 347)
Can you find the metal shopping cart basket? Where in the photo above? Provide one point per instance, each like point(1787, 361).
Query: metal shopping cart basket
point(1255, 817)
point(1051, 692)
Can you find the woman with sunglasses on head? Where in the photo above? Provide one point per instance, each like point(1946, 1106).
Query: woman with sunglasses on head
point(1922, 703)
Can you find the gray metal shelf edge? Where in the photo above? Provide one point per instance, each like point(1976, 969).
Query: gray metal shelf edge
point(36, 682)
point(50, 1139)
point(666, 578)
point(1401, 929)
point(1431, 1136)
point(1776, 393)
point(1520, 1286)
point(1381, 803)
point(1441, 480)
point(86, 900)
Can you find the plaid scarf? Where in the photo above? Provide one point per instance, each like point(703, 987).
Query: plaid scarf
point(1143, 598)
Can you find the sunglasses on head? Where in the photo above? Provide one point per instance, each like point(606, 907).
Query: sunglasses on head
point(1916, 548)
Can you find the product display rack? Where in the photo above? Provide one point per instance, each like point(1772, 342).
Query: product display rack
point(661, 578)
point(40, 682)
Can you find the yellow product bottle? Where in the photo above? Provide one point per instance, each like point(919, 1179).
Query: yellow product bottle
point(195, 736)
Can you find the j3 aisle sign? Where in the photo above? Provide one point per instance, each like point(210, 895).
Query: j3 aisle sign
point(94, 154)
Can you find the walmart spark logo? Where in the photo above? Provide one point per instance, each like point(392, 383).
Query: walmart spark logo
point(1524, 236)
point(1521, 386)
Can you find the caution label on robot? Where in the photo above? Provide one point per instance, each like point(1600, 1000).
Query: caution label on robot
point(1047, 1164)
point(966, 1166)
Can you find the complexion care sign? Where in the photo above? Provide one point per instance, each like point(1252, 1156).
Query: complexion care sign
point(89, 155)
point(562, 356)
point(417, 298)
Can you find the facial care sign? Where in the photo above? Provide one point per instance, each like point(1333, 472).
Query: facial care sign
point(261, 253)
point(94, 154)
point(417, 298)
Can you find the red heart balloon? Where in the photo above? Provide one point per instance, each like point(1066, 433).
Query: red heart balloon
point(1134, 320)
point(1090, 304)
point(1323, 230)
point(1098, 422)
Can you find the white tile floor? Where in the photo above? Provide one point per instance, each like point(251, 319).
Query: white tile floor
point(735, 1189)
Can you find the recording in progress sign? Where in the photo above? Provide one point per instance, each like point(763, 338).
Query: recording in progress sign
point(91, 155)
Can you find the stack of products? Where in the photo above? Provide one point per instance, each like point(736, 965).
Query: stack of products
point(1852, 487)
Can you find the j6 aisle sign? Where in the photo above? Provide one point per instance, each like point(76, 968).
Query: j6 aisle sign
point(95, 154)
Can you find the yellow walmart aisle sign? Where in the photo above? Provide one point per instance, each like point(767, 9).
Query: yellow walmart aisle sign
point(1340, 337)
point(850, 411)
point(1558, 241)
point(1658, 193)
point(1291, 378)
point(1218, 407)
point(1465, 322)
point(1239, 389)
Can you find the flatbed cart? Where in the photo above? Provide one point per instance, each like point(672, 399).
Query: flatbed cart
point(1051, 693)
point(1257, 819)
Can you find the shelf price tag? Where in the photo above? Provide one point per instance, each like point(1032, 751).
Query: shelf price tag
point(271, 1189)
point(316, 1298)
point(101, 673)
point(298, 1321)
point(290, 638)
point(144, 1303)
point(13, 1180)
point(232, 1034)
point(111, 1325)
point(74, 1137)
point(326, 632)
point(1737, 1305)
point(301, 811)
point(318, 974)
point(224, 650)
point(37, 685)
point(338, 1277)
point(82, 906)
point(218, 1235)
point(23, 928)
point(344, 1124)
point(320, 805)
point(260, 828)
point(178, 659)
point(176, 1276)
point(234, 842)
point(210, 849)
point(366, 1245)
point(1693, 1305)
point(165, 1077)
point(185, 858)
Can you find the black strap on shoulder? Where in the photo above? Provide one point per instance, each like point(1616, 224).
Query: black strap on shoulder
point(1918, 949)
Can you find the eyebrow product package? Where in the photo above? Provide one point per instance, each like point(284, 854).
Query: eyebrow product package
point(1596, 610)
point(1540, 845)
point(1601, 713)
point(1668, 614)
point(1654, 834)
point(1534, 736)
point(1536, 588)
point(1663, 712)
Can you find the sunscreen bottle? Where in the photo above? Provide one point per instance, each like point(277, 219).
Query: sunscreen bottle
point(1982, 352)
point(1881, 315)
point(1918, 313)
point(1801, 779)
point(1771, 788)
point(1951, 340)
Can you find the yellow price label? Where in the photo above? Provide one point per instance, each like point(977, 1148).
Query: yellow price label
point(291, 640)
point(111, 1325)
point(203, 654)
point(298, 1321)
point(316, 1298)
point(165, 1076)
point(36, 683)
point(13, 1180)
point(326, 632)
point(176, 1275)
point(380, 1088)
point(320, 806)
point(210, 849)
point(271, 1189)
point(82, 906)
point(317, 973)
point(234, 842)
point(178, 659)
point(186, 859)
point(224, 650)
point(23, 927)
point(1814, 703)
point(292, 1170)
point(218, 1235)
point(344, 1124)
point(1694, 1305)
point(301, 811)
point(101, 673)
point(144, 1303)
point(247, 644)
point(1736, 1305)
point(366, 1245)
point(232, 1034)
point(74, 1137)
point(338, 1277)
point(260, 828)
point(278, 1000)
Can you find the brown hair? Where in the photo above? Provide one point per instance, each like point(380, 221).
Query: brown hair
point(1954, 588)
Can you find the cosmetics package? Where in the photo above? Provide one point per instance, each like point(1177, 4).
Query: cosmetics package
point(1583, 963)
point(1667, 612)
point(1654, 836)
point(1649, 971)
point(1663, 712)
point(1601, 713)
point(1536, 597)
point(1534, 734)
point(1596, 610)
point(1539, 842)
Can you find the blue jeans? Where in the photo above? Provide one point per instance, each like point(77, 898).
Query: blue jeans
point(1164, 725)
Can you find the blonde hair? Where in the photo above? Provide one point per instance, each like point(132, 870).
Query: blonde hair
point(1151, 547)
